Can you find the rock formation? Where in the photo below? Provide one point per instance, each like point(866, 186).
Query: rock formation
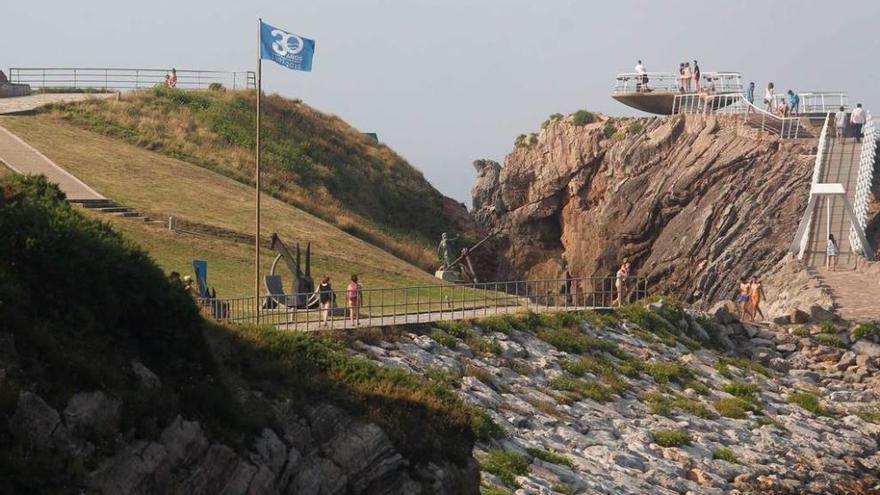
point(692, 202)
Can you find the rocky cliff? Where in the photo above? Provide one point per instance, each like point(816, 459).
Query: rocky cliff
point(693, 202)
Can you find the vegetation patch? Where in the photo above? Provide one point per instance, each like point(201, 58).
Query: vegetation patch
point(870, 414)
point(725, 454)
point(865, 330)
point(582, 389)
point(574, 341)
point(608, 129)
point(505, 464)
point(551, 457)
point(444, 339)
point(827, 327)
point(582, 118)
point(485, 345)
point(735, 407)
point(670, 438)
point(762, 421)
point(807, 401)
point(801, 332)
point(458, 329)
point(634, 128)
point(744, 364)
point(743, 390)
point(831, 340)
point(498, 323)
point(485, 428)
point(552, 118)
point(665, 372)
point(663, 405)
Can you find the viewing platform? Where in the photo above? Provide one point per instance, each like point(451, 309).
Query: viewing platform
point(654, 92)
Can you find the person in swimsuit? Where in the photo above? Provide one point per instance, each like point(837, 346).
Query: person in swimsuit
point(620, 282)
point(742, 301)
point(831, 253)
point(756, 293)
point(355, 299)
point(325, 298)
point(687, 75)
point(768, 97)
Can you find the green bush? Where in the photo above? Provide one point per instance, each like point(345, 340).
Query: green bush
point(485, 428)
point(583, 117)
point(551, 457)
point(506, 465)
point(664, 372)
point(662, 405)
point(745, 364)
point(521, 141)
point(562, 488)
point(574, 341)
point(743, 390)
point(498, 323)
point(827, 327)
point(761, 421)
point(484, 345)
point(807, 401)
point(670, 438)
point(458, 329)
point(634, 128)
point(865, 330)
point(725, 455)
point(608, 129)
point(831, 340)
point(582, 388)
point(551, 119)
point(444, 339)
point(735, 407)
point(869, 414)
point(216, 87)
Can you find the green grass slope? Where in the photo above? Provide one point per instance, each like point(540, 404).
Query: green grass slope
point(79, 302)
point(311, 160)
point(163, 186)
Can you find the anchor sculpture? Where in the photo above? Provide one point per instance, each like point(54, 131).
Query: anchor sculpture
point(303, 286)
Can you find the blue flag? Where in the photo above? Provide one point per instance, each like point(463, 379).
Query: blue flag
point(287, 49)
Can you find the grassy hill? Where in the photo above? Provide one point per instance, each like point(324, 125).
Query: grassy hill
point(79, 302)
point(311, 160)
point(163, 186)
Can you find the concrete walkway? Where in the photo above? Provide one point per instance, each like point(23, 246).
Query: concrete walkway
point(856, 295)
point(24, 159)
point(22, 104)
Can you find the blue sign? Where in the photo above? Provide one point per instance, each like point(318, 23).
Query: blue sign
point(288, 49)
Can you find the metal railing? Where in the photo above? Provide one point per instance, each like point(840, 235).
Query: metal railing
point(802, 239)
point(758, 118)
point(863, 182)
point(118, 79)
point(428, 303)
point(736, 103)
point(814, 102)
point(667, 82)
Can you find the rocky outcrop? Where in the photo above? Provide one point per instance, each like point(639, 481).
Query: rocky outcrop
point(786, 413)
point(693, 204)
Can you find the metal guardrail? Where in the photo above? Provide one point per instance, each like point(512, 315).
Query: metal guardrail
point(802, 239)
point(429, 303)
point(815, 102)
point(667, 82)
point(118, 79)
point(867, 158)
point(736, 103)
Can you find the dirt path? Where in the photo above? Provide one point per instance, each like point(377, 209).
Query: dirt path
point(856, 295)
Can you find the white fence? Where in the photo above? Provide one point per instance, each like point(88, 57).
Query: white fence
point(107, 78)
point(865, 177)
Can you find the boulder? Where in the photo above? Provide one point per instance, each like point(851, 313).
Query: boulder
point(867, 348)
point(821, 314)
point(93, 411)
point(146, 378)
point(34, 420)
point(799, 317)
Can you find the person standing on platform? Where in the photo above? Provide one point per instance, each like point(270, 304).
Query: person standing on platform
point(857, 119)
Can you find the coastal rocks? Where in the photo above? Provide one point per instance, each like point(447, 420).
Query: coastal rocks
point(94, 411)
point(677, 196)
point(34, 420)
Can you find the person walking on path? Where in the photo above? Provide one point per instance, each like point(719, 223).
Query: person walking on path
point(354, 294)
point(794, 102)
point(621, 281)
point(325, 298)
point(857, 119)
point(750, 96)
point(742, 300)
point(768, 98)
point(756, 293)
point(840, 123)
point(831, 252)
point(697, 75)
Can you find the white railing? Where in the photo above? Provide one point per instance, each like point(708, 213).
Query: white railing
point(758, 118)
point(802, 241)
point(735, 103)
point(120, 79)
point(666, 82)
point(813, 102)
point(863, 182)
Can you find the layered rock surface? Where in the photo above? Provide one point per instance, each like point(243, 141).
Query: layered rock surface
point(690, 201)
point(608, 444)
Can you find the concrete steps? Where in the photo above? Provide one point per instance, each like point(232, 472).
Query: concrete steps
point(110, 207)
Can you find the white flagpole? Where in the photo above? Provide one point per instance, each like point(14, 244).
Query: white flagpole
point(257, 172)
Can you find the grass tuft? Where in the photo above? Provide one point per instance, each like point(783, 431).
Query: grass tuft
point(551, 457)
point(725, 454)
point(505, 464)
point(670, 438)
point(807, 401)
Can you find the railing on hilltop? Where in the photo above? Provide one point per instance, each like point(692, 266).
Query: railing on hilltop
point(666, 82)
point(430, 303)
point(863, 183)
point(117, 79)
point(815, 103)
point(736, 104)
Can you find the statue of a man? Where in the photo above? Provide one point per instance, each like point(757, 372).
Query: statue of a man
point(446, 250)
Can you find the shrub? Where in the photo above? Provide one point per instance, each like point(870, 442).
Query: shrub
point(485, 428)
point(562, 488)
point(745, 364)
point(831, 340)
point(765, 421)
point(664, 372)
point(662, 405)
point(484, 345)
point(575, 342)
point(521, 141)
point(550, 119)
point(634, 128)
point(865, 330)
point(807, 401)
point(725, 455)
point(582, 388)
point(444, 339)
point(869, 414)
point(216, 87)
point(583, 117)
point(734, 407)
point(743, 390)
point(827, 327)
point(458, 329)
point(670, 438)
point(506, 465)
point(631, 368)
point(498, 323)
point(801, 332)
point(608, 129)
point(697, 386)
point(551, 457)
point(533, 139)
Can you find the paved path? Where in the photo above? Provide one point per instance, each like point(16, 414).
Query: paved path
point(856, 295)
point(24, 159)
point(20, 104)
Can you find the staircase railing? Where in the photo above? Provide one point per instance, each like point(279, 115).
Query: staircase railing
point(802, 239)
point(784, 127)
point(863, 183)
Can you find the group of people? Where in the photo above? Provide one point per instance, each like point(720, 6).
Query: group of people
point(690, 78)
point(171, 79)
point(354, 295)
point(789, 105)
point(748, 302)
point(857, 119)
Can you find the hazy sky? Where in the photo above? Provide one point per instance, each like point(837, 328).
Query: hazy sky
point(447, 82)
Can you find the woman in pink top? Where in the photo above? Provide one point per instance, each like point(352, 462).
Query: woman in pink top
point(355, 297)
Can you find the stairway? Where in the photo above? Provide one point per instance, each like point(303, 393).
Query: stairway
point(841, 167)
point(111, 208)
point(788, 128)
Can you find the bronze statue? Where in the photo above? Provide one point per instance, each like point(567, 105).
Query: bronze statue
point(446, 250)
